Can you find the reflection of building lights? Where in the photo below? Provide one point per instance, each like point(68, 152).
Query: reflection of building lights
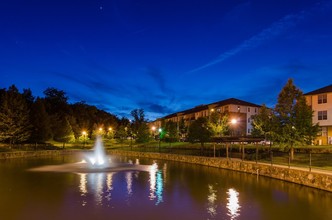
point(156, 184)
point(159, 189)
point(233, 203)
point(109, 182)
point(129, 181)
point(212, 198)
point(153, 171)
point(165, 172)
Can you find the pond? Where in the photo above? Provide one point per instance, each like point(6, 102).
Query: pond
point(171, 190)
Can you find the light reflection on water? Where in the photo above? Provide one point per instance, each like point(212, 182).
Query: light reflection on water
point(212, 198)
point(233, 204)
point(179, 191)
point(100, 185)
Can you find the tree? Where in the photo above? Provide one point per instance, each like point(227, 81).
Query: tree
point(262, 123)
point(218, 124)
point(14, 117)
point(139, 126)
point(199, 131)
point(183, 129)
point(40, 121)
point(121, 133)
point(293, 118)
point(171, 132)
point(64, 132)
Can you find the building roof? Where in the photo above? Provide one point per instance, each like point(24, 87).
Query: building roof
point(234, 101)
point(325, 89)
point(230, 101)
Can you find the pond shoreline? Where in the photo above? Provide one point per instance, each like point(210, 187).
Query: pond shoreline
point(303, 176)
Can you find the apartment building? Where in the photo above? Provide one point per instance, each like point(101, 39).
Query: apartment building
point(239, 113)
point(320, 101)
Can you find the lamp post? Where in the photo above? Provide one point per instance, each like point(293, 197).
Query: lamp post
point(153, 132)
point(110, 133)
point(160, 130)
point(233, 122)
point(84, 136)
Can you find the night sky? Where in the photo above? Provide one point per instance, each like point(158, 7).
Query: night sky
point(165, 55)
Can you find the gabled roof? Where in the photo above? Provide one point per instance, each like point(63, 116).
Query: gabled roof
point(325, 89)
point(234, 101)
point(230, 101)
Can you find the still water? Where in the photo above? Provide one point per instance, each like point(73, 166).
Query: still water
point(170, 190)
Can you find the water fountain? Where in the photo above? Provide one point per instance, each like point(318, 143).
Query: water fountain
point(94, 161)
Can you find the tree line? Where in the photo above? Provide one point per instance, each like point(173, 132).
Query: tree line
point(28, 119)
point(24, 118)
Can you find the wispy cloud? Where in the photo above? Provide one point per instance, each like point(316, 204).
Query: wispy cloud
point(274, 30)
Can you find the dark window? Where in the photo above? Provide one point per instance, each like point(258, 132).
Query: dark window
point(322, 98)
point(322, 115)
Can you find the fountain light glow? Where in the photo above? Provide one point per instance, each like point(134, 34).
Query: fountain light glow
point(95, 161)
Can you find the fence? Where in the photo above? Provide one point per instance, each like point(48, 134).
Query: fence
point(307, 158)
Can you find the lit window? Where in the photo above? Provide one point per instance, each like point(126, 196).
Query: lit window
point(322, 115)
point(322, 98)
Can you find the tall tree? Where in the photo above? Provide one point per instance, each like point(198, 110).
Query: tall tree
point(14, 117)
point(199, 131)
point(293, 118)
point(40, 121)
point(183, 129)
point(171, 131)
point(262, 123)
point(64, 132)
point(139, 126)
point(218, 124)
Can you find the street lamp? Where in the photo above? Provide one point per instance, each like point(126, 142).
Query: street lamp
point(84, 136)
point(160, 130)
point(153, 132)
point(233, 122)
point(110, 133)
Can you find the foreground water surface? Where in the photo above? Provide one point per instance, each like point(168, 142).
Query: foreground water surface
point(169, 190)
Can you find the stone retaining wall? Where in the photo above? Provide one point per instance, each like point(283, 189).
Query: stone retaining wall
point(304, 177)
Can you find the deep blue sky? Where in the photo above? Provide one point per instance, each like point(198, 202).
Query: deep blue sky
point(165, 55)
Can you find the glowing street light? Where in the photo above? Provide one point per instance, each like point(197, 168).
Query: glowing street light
point(159, 130)
point(233, 123)
point(84, 137)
